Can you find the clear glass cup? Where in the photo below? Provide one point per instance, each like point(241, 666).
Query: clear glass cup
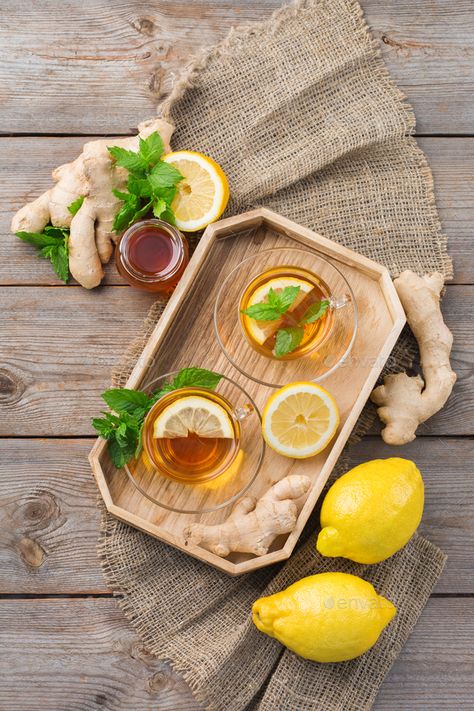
point(160, 473)
point(322, 350)
point(152, 255)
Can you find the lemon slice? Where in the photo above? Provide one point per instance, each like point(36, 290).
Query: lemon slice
point(193, 414)
point(300, 420)
point(261, 330)
point(203, 194)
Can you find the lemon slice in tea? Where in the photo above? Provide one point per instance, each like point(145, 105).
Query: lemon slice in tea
point(196, 415)
point(261, 330)
point(300, 420)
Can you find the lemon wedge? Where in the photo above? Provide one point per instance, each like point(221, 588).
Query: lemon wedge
point(203, 194)
point(261, 330)
point(193, 414)
point(300, 420)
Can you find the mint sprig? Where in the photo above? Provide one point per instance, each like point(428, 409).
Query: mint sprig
point(287, 339)
point(51, 244)
point(123, 427)
point(151, 184)
point(275, 307)
point(76, 205)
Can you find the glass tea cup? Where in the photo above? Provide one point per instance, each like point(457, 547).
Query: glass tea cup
point(317, 330)
point(186, 472)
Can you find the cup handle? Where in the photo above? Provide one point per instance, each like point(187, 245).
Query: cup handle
point(339, 302)
point(241, 413)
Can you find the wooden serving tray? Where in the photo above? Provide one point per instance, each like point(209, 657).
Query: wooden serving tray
point(185, 336)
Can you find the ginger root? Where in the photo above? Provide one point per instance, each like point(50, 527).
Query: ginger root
point(92, 175)
point(405, 402)
point(253, 525)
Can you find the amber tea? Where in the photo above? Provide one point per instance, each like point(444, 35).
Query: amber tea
point(191, 435)
point(286, 313)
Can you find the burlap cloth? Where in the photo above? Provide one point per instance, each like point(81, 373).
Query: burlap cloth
point(304, 119)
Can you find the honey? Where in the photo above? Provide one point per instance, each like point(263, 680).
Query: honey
point(152, 256)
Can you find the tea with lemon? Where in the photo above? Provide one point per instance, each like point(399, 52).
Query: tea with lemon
point(191, 435)
point(302, 318)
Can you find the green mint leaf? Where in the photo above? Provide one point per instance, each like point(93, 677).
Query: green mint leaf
point(143, 211)
point(125, 400)
point(151, 148)
point(133, 162)
point(287, 296)
point(139, 186)
point(287, 339)
point(263, 312)
point(60, 261)
point(76, 205)
point(118, 454)
point(168, 216)
point(189, 377)
point(121, 196)
point(273, 299)
point(164, 175)
point(314, 312)
point(105, 426)
point(126, 214)
point(167, 194)
point(58, 233)
point(159, 207)
point(197, 377)
point(51, 244)
point(37, 239)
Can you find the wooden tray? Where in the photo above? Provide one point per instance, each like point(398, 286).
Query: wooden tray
point(184, 336)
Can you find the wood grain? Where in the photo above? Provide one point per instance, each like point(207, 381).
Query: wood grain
point(57, 349)
point(82, 655)
point(101, 68)
point(452, 162)
point(49, 519)
point(59, 344)
point(48, 504)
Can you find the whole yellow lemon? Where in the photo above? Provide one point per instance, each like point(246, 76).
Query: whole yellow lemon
point(330, 617)
point(372, 511)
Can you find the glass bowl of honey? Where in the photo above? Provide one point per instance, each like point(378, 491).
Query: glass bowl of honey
point(202, 448)
point(152, 255)
point(284, 315)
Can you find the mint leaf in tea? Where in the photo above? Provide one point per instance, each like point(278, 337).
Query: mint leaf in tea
point(285, 312)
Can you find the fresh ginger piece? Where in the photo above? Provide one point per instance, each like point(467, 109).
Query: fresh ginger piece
point(253, 525)
point(92, 175)
point(405, 402)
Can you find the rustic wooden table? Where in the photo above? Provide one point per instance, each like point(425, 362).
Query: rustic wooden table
point(83, 68)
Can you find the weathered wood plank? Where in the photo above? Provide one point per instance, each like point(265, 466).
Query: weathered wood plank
point(100, 67)
point(82, 654)
point(57, 349)
point(25, 170)
point(434, 670)
point(50, 522)
point(59, 343)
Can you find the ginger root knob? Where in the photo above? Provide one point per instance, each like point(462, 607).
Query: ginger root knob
point(405, 402)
